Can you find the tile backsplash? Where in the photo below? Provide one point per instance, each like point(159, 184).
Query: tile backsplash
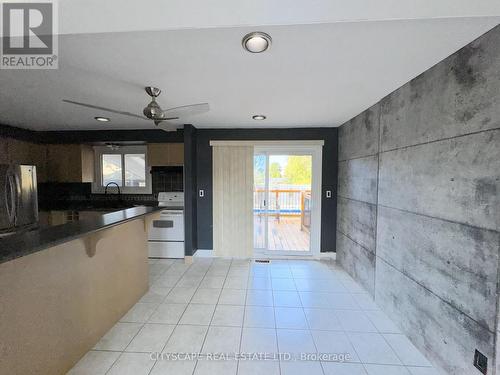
point(53, 195)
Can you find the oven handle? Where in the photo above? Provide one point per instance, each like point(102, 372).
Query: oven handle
point(163, 224)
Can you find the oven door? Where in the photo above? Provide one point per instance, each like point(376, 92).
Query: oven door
point(169, 227)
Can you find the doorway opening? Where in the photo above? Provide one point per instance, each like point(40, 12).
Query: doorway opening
point(285, 210)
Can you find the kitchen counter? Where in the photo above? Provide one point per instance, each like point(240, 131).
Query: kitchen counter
point(25, 243)
point(64, 287)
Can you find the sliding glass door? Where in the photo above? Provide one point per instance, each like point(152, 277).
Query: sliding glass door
point(260, 200)
point(283, 199)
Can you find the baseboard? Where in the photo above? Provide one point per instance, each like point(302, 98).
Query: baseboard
point(328, 255)
point(209, 253)
point(204, 253)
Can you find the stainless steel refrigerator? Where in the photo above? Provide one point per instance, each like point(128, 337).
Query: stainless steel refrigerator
point(18, 197)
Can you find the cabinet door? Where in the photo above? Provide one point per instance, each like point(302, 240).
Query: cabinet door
point(88, 165)
point(158, 154)
point(64, 163)
point(19, 151)
point(39, 158)
point(176, 153)
point(4, 151)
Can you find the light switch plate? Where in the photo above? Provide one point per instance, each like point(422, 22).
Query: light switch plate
point(480, 362)
point(202, 193)
point(328, 193)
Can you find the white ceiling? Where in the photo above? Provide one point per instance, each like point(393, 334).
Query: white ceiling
point(98, 16)
point(318, 72)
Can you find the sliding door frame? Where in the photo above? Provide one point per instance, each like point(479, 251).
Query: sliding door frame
point(295, 148)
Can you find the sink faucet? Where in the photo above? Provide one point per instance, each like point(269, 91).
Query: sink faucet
point(112, 183)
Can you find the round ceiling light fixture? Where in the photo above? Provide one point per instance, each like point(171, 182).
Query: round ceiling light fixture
point(259, 117)
point(256, 42)
point(102, 119)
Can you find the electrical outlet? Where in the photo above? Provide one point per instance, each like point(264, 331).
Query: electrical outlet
point(480, 362)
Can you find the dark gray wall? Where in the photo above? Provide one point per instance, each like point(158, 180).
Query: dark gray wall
point(204, 174)
point(419, 205)
point(190, 178)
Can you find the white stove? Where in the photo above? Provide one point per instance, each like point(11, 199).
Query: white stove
point(166, 235)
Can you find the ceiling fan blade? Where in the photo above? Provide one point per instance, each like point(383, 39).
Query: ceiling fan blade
point(105, 109)
point(166, 127)
point(187, 110)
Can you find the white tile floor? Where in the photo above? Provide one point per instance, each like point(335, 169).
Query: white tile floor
point(238, 306)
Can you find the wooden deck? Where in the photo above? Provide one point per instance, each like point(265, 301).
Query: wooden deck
point(284, 234)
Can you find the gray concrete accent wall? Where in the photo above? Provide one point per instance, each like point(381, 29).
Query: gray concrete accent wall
point(358, 179)
point(358, 221)
point(423, 167)
point(357, 196)
point(447, 337)
point(358, 261)
point(455, 179)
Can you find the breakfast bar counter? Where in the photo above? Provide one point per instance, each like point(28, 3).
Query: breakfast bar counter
point(62, 288)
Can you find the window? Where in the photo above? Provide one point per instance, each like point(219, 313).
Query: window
point(124, 166)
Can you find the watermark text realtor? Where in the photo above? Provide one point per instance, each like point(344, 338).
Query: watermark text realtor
point(29, 35)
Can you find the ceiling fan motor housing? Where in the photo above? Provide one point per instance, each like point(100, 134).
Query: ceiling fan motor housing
point(153, 110)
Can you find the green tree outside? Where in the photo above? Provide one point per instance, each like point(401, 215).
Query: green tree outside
point(275, 170)
point(298, 170)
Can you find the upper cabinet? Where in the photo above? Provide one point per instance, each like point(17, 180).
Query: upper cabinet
point(70, 163)
point(75, 162)
point(165, 154)
point(13, 151)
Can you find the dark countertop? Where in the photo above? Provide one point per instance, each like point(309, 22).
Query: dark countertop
point(29, 242)
point(91, 205)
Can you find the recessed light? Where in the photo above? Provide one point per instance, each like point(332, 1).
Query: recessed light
point(259, 117)
point(256, 42)
point(102, 119)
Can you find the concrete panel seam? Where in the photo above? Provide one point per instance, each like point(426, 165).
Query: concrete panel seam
point(357, 200)
point(439, 140)
point(497, 323)
point(357, 243)
point(435, 217)
point(434, 294)
point(358, 157)
point(376, 209)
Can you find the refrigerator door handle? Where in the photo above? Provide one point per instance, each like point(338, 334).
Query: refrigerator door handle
point(17, 198)
point(9, 198)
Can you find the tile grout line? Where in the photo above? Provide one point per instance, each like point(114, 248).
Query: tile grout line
point(309, 326)
point(187, 304)
point(275, 322)
point(175, 326)
point(211, 319)
point(243, 321)
point(142, 326)
point(292, 277)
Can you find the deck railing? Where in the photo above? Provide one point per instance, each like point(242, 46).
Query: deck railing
point(281, 201)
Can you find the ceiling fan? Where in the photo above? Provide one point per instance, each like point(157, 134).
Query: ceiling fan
point(153, 110)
